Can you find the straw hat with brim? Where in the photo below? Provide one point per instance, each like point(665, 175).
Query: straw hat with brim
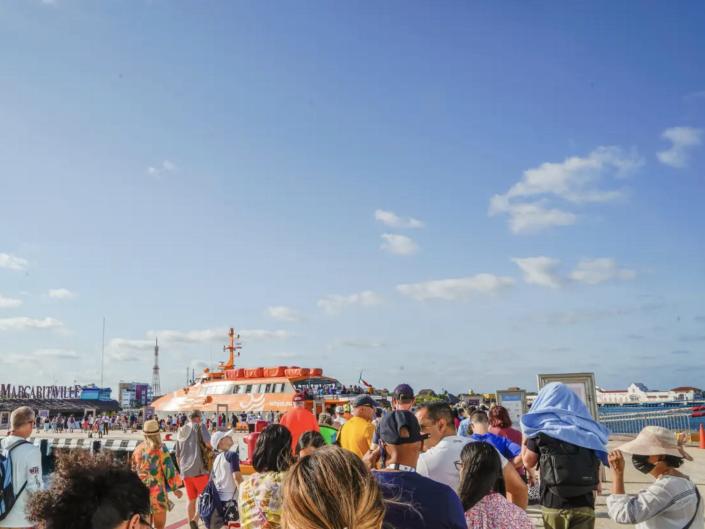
point(653, 441)
point(150, 427)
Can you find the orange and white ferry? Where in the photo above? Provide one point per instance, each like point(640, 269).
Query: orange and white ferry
point(239, 390)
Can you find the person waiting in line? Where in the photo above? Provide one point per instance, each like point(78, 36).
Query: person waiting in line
point(415, 501)
point(308, 443)
point(356, 434)
point(91, 492)
point(25, 460)
point(195, 458)
point(480, 428)
point(481, 491)
point(465, 427)
point(298, 420)
point(312, 500)
point(443, 448)
point(338, 418)
point(672, 501)
point(226, 478)
point(260, 495)
point(325, 425)
point(154, 466)
point(567, 444)
point(501, 424)
point(402, 399)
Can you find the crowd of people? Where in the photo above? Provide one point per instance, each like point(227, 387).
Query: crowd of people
point(410, 467)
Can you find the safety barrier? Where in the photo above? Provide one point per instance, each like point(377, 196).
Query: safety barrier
point(677, 420)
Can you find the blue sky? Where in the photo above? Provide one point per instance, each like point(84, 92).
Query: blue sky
point(454, 195)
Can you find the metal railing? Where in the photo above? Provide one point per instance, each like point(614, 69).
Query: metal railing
point(676, 420)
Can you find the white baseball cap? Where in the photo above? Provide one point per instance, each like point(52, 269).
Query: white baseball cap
point(216, 438)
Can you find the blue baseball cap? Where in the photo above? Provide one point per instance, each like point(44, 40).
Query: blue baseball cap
point(364, 400)
point(403, 392)
point(391, 428)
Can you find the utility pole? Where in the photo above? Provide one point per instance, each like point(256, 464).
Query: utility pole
point(102, 354)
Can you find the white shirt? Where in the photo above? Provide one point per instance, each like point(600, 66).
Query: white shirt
point(26, 466)
point(223, 478)
point(669, 503)
point(438, 463)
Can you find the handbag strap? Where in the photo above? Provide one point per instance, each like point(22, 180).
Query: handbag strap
point(697, 507)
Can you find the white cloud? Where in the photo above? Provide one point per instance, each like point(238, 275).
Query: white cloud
point(262, 334)
point(456, 288)
point(529, 217)
point(284, 313)
point(121, 355)
point(214, 335)
point(21, 323)
point(165, 167)
point(596, 271)
point(9, 303)
point(539, 271)
point(355, 343)
point(392, 220)
point(55, 353)
point(575, 180)
point(682, 140)
point(334, 304)
point(117, 344)
point(12, 262)
point(399, 244)
point(61, 293)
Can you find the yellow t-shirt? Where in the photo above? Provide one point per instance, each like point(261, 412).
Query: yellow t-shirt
point(356, 435)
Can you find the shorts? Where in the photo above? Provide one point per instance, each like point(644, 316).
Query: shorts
point(195, 485)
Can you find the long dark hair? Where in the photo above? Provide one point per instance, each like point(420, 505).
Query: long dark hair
point(272, 450)
point(481, 473)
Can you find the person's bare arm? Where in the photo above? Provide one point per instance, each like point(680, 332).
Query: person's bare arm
point(237, 476)
point(616, 460)
point(517, 492)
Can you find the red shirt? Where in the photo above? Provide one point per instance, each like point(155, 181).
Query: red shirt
point(298, 421)
point(510, 433)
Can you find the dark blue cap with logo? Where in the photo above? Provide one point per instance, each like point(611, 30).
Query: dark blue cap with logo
point(400, 427)
point(364, 400)
point(403, 392)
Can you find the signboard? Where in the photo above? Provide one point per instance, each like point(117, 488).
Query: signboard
point(583, 384)
point(12, 391)
point(514, 400)
point(44, 413)
point(148, 413)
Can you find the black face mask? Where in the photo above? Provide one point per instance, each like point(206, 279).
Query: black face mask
point(641, 463)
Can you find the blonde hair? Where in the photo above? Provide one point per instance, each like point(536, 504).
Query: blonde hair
point(331, 489)
point(153, 440)
point(21, 416)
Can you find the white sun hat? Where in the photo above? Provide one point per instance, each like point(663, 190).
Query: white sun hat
point(653, 441)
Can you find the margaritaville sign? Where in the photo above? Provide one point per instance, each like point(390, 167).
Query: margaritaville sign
point(12, 391)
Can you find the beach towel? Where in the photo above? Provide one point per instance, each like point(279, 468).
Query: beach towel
point(559, 413)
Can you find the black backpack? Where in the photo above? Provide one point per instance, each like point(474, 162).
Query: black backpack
point(568, 470)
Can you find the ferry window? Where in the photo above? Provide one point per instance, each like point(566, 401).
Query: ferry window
point(242, 388)
point(248, 388)
point(268, 388)
point(278, 388)
point(255, 388)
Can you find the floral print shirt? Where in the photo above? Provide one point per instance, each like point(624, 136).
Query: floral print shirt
point(494, 511)
point(260, 501)
point(157, 471)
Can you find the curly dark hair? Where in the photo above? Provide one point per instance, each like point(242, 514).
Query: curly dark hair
point(89, 492)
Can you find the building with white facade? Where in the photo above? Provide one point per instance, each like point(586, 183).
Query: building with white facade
point(638, 393)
